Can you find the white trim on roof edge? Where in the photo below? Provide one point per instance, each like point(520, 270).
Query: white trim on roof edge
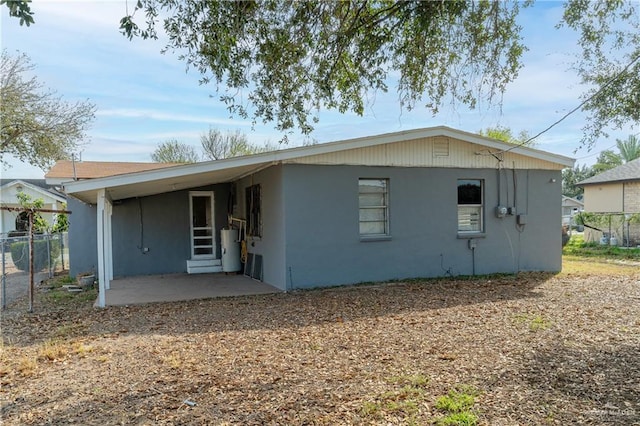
point(274, 157)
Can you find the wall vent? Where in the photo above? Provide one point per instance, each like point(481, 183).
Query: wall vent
point(441, 148)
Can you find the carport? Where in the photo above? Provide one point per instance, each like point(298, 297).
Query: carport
point(104, 192)
point(180, 287)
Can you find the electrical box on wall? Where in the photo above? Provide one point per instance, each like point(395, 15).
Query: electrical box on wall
point(511, 211)
point(522, 219)
point(501, 211)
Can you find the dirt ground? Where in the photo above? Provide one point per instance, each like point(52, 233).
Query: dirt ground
point(17, 285)
point(16, 282)
point(529, 349)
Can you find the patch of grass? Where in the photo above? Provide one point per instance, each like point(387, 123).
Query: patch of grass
point(60, 296)
point(52, 350)
point(458, 405)
point(578, 247)
point(535, 322)
point(403, 402)
point(66, 279)
point(61, 280)
point(539, 323)
point(464, 418)
point(87, 296)
point(27, 366)
point(82, 350)
point(370, 409)
point(574, 265)
point(455, 401)
point(405, 393)
point(406, 407)
point(68, 330)
point(415, 380)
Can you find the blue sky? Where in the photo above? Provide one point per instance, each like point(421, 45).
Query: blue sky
point(144, 97)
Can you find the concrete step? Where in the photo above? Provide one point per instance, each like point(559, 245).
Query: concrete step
point(204, 266)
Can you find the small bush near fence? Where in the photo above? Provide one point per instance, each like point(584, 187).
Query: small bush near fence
point(20, 254)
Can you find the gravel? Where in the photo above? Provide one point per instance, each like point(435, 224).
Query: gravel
point(529, 349)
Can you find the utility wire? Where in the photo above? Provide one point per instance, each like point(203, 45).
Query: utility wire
point(596, 153)
point(611, 80)
point(603, 149)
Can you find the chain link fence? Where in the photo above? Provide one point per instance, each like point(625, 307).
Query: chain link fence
point(51, 256)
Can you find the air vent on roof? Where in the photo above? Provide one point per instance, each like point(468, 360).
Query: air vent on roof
point(441, 148)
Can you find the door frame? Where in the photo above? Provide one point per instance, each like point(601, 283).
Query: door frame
point(214, 249)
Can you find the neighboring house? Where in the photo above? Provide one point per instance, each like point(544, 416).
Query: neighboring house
point(419, 203)
point(615, 191)
point(11, 221)
point(570, 207)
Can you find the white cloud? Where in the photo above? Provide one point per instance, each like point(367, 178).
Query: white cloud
point(169, 116)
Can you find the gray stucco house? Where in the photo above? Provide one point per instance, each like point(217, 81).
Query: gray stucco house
point(419, 203)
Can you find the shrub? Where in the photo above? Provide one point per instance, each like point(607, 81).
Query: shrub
point(20, 254)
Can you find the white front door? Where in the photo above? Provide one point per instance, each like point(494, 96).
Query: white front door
point(202, 225)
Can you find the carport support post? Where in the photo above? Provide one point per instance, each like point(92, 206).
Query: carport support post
point(105, 254)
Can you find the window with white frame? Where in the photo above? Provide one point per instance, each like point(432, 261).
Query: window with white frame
point(373, 197)
point(470, 199)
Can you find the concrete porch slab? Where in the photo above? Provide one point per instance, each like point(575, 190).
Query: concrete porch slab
point(179, 287)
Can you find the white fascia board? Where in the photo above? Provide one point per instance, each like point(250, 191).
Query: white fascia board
point(424, 133)
point(168, 173)
point(275, 157)
point(261, 159)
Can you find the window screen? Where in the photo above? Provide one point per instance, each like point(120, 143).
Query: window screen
point(470, 205)
point(374, 207)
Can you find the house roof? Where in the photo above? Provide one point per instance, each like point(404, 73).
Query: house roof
point(37, 182)
point(566, 201)
point(167, 179)
point(625, 172)
point(67, 170)
point(51, 193)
